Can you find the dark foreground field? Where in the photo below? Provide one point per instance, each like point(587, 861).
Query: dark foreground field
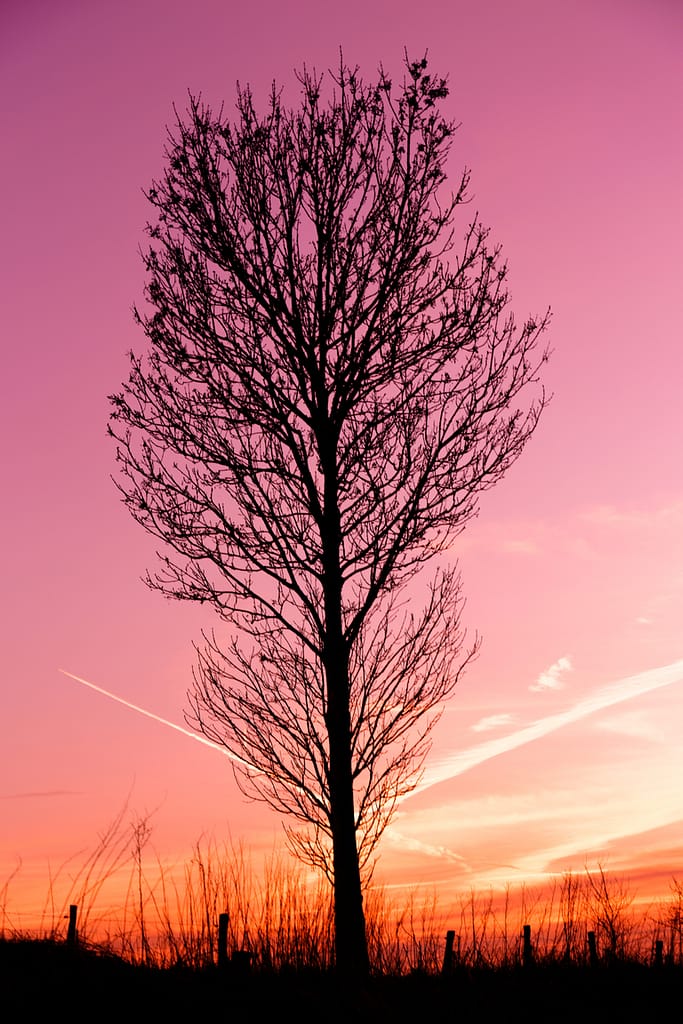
point(45, 980)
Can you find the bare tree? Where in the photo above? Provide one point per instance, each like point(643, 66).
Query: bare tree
point(330, 384)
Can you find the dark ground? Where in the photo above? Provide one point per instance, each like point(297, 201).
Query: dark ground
point(46, 981)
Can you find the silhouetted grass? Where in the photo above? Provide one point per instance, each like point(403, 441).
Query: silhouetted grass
point(157, 947)
point(38, 978)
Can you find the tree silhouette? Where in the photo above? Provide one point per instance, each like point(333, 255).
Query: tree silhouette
point(329, 386)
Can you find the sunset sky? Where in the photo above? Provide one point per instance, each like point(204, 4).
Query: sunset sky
point(563, 745)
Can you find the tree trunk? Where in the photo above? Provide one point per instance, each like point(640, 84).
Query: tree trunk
point(351, 949)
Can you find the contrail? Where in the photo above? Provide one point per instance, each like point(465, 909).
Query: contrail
point(605, 697)
point(157, 718)
point(460, 762)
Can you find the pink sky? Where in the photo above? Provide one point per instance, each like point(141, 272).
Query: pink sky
point(563, 743)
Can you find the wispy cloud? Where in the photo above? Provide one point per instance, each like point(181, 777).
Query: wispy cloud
point(551, 678)
point(417, 846)
point(492, 722)
point(611, 516)
point(632, 723)
point(607, 696)
point(520, 547)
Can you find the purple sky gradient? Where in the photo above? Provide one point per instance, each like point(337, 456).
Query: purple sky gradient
point(571, 124)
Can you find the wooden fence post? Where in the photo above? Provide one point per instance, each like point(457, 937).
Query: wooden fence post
point(527, 949)
point(72, 933)
point(592, 950)
point(223, 921)
point(447, 965)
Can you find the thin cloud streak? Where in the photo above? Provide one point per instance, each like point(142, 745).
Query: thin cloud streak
point(605, 697)
point(163, 721)
point(150, 714)
point(40, 794)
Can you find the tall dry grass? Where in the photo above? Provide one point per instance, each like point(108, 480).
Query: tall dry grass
point(166, 915)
